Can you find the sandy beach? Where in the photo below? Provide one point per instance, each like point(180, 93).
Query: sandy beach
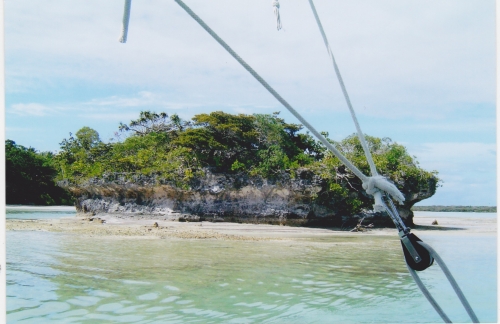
point(111, 225)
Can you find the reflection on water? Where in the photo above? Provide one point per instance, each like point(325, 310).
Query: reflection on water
point(61, 278)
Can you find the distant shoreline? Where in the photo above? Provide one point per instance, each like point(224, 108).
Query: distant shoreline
point(464, 209)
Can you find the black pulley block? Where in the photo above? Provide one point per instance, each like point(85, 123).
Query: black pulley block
point(426, 259)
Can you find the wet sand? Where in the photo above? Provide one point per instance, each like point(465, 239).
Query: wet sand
point(456, 226)
point(110, 225)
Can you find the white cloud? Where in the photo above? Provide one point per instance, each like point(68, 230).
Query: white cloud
point(20, 129)
point(449, 156)
point(469, 126)
point(113, 108)
point(391, 55)
point(31, 109)
point(143, 99)
point(112, 117)
point(468, 171)
point(240, 110)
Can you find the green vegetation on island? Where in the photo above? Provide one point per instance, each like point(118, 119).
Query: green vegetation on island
point(464, 209)
point(176, 151)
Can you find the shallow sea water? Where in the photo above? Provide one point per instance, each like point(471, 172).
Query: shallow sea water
point(62, 278)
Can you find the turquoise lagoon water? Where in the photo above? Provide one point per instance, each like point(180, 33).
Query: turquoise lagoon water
point(39, 212)
point(63, 278)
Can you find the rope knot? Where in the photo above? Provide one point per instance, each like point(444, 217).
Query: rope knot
point(276, 6)
point(378, 183)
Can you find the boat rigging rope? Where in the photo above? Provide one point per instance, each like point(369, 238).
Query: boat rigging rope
point(276, 6)
point(452, 281)
point(126, 19)
point(375, 182)
point(453, 284)
point(369, 158)
point(428, 295)
point(372, 189)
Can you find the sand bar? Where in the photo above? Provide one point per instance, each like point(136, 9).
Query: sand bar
point(111, 225)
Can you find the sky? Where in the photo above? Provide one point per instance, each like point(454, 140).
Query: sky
point(420, 72)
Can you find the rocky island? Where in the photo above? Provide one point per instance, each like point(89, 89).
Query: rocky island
point(223, 167)
point(239, 168)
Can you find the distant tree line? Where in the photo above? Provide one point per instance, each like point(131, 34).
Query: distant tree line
point(30, 177)
point(177, 151)
point(469, 209)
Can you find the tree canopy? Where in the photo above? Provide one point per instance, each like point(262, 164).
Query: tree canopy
point(177, 149)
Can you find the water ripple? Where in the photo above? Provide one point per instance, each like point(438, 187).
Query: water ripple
point(165, 281)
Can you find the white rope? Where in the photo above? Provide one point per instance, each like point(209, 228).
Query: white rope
point(428, 295)
point(375, 182)
point(379, 183)
point(373, 169)
point(126, 19)
point(276, 6)
point(452, 281)
point(323, 140)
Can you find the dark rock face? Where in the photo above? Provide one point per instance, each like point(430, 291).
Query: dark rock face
point(412, 196)
point(224, 197)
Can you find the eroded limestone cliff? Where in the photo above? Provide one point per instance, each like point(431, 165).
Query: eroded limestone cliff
point(229, 197)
